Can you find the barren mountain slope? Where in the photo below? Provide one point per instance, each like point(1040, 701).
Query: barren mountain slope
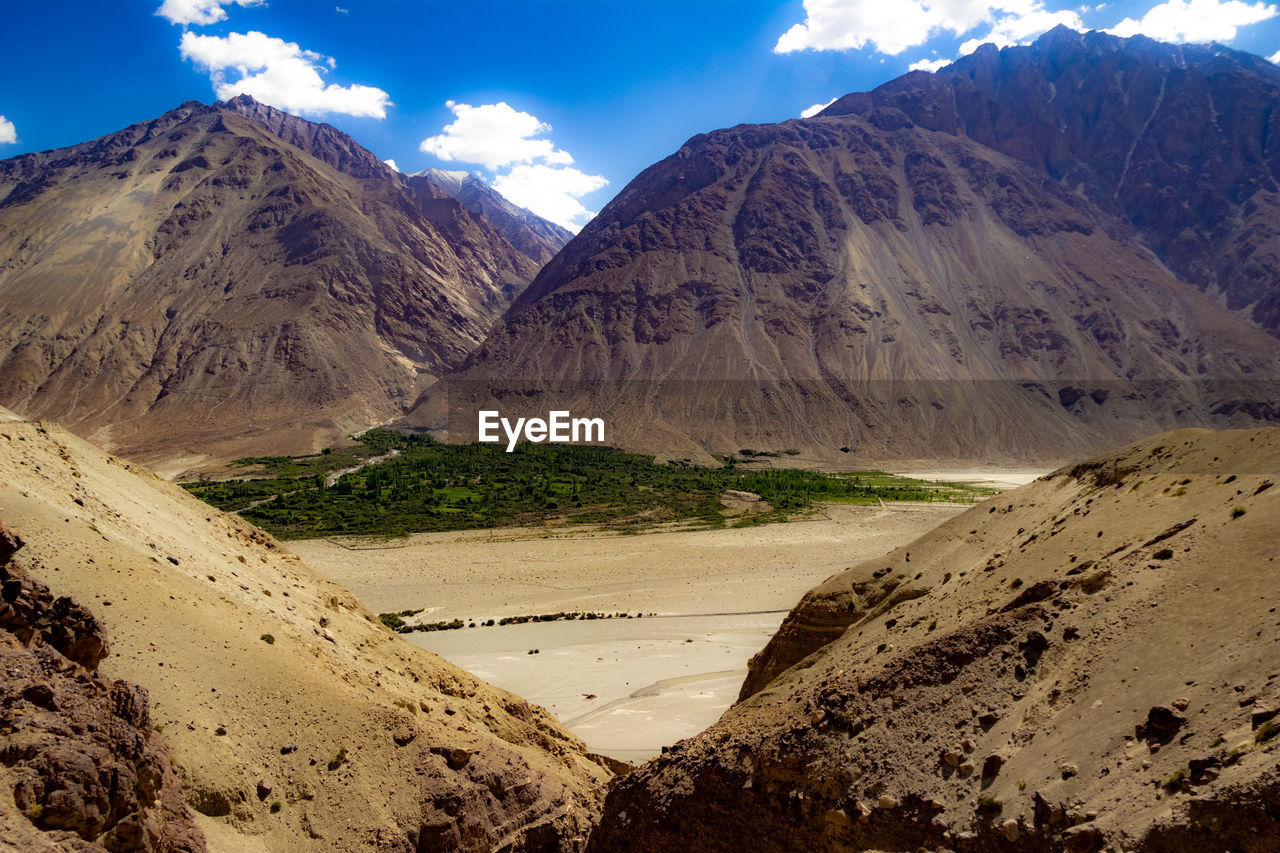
point(295, 719)
point(231, 279)
point(1085, 660)
point(862, 282)
point(1179, 140)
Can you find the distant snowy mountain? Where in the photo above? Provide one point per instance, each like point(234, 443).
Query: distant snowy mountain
point(524, 229)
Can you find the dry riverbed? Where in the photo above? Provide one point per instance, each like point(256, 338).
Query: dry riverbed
point(711, 599)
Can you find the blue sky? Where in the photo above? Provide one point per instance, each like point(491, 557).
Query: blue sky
point(558, 104)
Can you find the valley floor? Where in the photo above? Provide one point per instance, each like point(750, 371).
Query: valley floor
point(711, 599)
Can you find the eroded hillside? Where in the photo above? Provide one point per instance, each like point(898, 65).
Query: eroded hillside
point(1084, 661)
point(295, 719)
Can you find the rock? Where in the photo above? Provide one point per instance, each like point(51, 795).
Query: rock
point(1010, 829)
point(1264, 710)
point(1067, 769)
point(455, 757)
point(1181, 703)
point(969, 744)
point(966, 769)
point(887, 801)
point(1047, 814)
point(991, 767)
point(1204, 768)
point(1083, 839)
point(89, 769)
point(265, 787)
point(1163, 722)
point(953, 757)
point(988, 719)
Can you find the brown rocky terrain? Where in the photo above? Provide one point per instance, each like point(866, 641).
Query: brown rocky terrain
point(78, 753)
point(866, 281)
point(294, 719)
point(1085, 663)
point(230, 279)
point(1177, 140)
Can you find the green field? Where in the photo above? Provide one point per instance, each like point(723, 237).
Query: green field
point(429, 486)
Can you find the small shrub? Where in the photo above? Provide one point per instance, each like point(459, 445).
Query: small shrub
point(276, 805)
point(1238, 511)
point(339, 759)
point(989, 806)
point(268, 639)
point(1163, 554)
point(1175, 780)
point(220, 731)
point(1266, 732)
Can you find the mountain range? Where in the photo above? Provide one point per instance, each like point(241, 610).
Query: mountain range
point(1021, 256)
point(1032, 254)
point(232, 279)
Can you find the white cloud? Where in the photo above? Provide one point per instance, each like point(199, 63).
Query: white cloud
point(279, 73)
point(8, 133)
point(552, 192)
point(928, 64)
point(1275, 57)
point(494, 135)
point(1023, 28)
point(1196, 20)
point(199, 12)
point(855, 24)
point(816, 108)
point(534, 172)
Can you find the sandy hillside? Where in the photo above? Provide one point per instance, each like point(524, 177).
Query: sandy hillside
point(275, 686)
point(1085, 663)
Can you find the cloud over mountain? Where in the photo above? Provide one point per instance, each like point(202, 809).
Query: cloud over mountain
point(529, 169)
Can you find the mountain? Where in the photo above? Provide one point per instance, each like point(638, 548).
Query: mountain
point(1085, 663)
point(231, 279)
point(860, 280)
point(527, 231)
point(294, 719)
point(1180, 141)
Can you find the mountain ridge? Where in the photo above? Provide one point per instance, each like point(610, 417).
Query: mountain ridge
point(852, 272)
point(288, 290)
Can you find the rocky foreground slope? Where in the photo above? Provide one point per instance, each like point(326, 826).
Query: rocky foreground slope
point(295, 720)
point(879, 280)
point(232, 280)
point(1086, 663)
point(78, 753)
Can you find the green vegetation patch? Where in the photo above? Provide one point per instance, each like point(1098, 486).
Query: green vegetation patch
point(421, 485)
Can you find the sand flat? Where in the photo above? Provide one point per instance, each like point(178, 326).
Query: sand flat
point(627, 687)
point(491, 574)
